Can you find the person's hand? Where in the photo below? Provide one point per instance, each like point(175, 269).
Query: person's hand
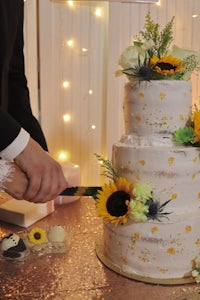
point(45, 176)
point(17, 183)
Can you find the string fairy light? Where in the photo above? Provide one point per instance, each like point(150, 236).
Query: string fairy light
point(70, 43)
point(70, 3)
point(66, 117)
point(62, 156)
point(98, 12)
point(66, 84)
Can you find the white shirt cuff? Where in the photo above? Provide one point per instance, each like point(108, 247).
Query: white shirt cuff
point(17, 146)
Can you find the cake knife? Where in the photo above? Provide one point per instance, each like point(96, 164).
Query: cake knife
point(81, 191)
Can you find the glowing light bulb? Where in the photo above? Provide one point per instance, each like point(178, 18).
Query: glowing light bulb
point(70, 43)
point(98, 12)
point(67, 118)
point(158, 3)
point(93, 127)
point(66, 84)
point(63, 156)
point(90, 92)
point(70, 3)
point(84, 50)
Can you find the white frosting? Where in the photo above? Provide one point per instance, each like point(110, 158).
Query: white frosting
point(158, 107)
point(146, 153)
point(171, 173)
point(154, 249)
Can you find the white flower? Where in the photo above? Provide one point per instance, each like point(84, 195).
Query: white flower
point(197, 262)
point(195, 273)
point(129, 58)
point(142, 48)
point(182, 54)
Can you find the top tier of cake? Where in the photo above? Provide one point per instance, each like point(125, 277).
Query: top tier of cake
point(154, 110)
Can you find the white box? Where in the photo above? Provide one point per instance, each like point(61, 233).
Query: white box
point(24, 213)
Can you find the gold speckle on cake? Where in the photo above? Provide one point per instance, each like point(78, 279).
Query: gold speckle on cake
point(198, 195)
point(174, 196)
point(181, 117)
point(138, 178)
point(171, 160)
point(143, 259)
point(123, 260)
point(193, 176)
point(141, 95)
point(135, 237)
point(195, 159)
point(154, 229)
point(165, 174)
point(164, 120)
point(138, 118)
point(188, 229)
point(142, 162)
point(126, 169)
point(171, 251)
point(162, 96)
point(162, 270)
point(197, 242)
point(145, 253)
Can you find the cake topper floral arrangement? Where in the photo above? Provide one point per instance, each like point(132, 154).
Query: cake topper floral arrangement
point(119, 200)
point(150, 56)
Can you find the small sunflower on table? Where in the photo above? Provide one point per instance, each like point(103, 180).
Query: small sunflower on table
point(119, 200)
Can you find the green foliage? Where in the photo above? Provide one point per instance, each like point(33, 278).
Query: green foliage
point(109, 169)
point(162, 39)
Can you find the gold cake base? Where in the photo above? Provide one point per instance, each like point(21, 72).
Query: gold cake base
point(173, 281)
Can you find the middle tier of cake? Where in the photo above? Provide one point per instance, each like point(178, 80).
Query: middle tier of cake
point(171, 173)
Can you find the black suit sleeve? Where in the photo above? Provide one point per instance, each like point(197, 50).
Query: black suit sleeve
point(9, 129)
point(15, 103)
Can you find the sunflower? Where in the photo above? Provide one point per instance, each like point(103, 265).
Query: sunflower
point(113, 201)
point(196, 121)
point(37, 236)
point(167, 65)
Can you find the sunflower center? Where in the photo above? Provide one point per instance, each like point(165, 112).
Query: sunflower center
point(116, 203)
point(165, 66)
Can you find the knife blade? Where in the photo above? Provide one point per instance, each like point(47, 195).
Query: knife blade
point(81, 191)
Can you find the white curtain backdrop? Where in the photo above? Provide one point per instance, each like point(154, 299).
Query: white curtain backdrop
point(81, 49)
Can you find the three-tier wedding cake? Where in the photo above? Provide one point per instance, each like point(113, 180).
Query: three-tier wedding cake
point(151, 207)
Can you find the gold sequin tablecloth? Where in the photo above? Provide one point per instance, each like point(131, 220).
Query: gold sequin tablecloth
point(77, 274)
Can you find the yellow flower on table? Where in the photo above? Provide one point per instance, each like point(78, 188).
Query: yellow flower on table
point(37, 236)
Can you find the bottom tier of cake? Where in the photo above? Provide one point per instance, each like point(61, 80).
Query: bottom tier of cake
point(155, 252)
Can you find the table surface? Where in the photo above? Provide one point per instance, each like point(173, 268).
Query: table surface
point(78, 273)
